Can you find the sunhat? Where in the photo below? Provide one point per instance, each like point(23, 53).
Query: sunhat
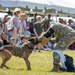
point(16, 10)
point(8, 17)
point(23, 14)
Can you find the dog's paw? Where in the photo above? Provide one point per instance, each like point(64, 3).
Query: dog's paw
point(29, 69)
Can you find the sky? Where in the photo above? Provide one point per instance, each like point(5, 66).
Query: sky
point(65, 3)
point(46, 1)
point(68, 3)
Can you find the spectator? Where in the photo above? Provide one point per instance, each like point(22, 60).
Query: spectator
point(24, 39)
point(5, 39)
point(64, 22)
point(4, 21)
point(46, 26)
point(71, 24)
point(12, 41)
point(60, 20)
point(16, 24)
point(35, 17)
point(38, 29)
point(6, 31)
point(3, 35)
point(31, 27)
point(47, 23)
point(23, 25)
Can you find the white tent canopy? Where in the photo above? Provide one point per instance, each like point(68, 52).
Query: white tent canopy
point(64, 5)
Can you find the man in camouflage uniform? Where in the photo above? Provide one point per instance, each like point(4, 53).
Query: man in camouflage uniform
point(65, 36)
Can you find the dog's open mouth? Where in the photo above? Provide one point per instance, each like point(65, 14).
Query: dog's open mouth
point(35, 40)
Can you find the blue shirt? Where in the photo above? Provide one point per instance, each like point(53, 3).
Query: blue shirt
point(21, 43)
point(1, 44)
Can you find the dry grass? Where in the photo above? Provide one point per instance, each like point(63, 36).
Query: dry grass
point(41, 64)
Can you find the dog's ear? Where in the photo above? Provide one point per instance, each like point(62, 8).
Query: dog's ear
point(31, 39)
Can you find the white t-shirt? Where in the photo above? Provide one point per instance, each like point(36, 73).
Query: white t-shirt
point(1, 30)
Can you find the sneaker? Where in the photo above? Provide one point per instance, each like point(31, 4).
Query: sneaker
point(47, 48)
point(38, 50)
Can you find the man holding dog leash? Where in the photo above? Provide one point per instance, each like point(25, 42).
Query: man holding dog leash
point(65, 36)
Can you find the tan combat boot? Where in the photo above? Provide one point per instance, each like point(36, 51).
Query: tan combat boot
point(56, 68)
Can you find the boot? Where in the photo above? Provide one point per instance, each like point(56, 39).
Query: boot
point(56, 68)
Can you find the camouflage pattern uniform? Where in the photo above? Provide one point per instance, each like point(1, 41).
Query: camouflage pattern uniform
point(65, 36)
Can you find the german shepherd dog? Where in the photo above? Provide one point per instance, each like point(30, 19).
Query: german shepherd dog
point(22, 51)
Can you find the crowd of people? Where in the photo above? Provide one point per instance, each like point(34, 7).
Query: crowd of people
point(17, 29)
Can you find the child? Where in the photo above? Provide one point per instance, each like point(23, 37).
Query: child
point(24, 39)
point(12, 41)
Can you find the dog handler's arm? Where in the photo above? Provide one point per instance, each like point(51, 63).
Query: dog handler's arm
point(45, 37)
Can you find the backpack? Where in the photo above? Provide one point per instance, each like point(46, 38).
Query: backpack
point(69, 63)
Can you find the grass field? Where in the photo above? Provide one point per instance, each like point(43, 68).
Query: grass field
point(41, 64)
